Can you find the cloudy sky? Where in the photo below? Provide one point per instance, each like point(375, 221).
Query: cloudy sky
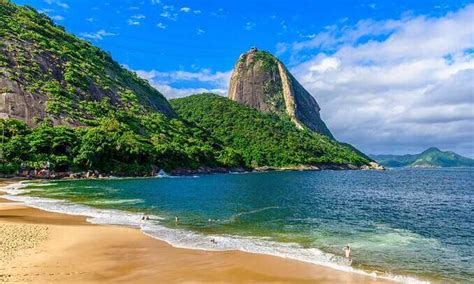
point(390, 76)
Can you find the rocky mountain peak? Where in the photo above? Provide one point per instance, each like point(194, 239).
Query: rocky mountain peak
point(261, 81)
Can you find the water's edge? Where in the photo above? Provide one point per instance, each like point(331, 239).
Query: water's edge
point(180, 238)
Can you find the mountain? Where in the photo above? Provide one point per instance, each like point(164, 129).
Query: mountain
point(46, 72)
point(68, 106)
point(430, 158)
point(262, 138)
point(261, 81)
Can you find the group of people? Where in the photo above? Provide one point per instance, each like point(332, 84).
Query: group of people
point(346, 249)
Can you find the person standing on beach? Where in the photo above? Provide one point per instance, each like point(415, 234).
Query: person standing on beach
point(347, 251)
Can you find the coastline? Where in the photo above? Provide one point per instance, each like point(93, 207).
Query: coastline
point(200, 171)
point(97, 253)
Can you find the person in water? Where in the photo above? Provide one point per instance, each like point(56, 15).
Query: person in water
point(347, 251)
point(176, 220)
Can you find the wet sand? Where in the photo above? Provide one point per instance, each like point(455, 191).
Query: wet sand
point(44, 247)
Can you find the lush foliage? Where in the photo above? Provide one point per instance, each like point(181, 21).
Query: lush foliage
point(70, 73)
point(122, 125)
point(262, 139)
point(118, 144)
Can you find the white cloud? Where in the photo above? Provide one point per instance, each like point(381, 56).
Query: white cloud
point(57, 18)
point(200, 31)
point(394, 85)
point(138, 17)
point(185, 9)
point(98, 35)
point(249, 26)
point(131, 22)
point(217, 82)
point(161, 25)
point(171, 92)
point(135, 20)
point(58, 3)
point(168, 15)
point(197, 12)
point(46, 11)
point(220, 13)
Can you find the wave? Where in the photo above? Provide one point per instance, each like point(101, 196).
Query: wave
point(40, 184)
point(181, 238)
point(116, 201)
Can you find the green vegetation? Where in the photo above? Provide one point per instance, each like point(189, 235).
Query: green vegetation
point(119, 144)
point(94, 115)
point(262, 139)
point(432, 157)
point(70, 73)
point(268, 61)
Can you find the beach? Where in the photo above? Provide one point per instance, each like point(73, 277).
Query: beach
point(47, 247)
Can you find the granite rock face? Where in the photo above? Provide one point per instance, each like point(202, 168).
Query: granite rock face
point(261, 81)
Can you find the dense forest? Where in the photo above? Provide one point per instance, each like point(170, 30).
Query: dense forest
point(263, 139)
point(119, 144)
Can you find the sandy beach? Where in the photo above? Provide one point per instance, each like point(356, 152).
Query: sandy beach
point(43, 247)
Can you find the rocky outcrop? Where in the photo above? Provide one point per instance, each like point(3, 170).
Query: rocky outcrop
point(261, 81)
point(372, 166)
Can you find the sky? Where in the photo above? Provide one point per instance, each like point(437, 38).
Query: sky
point(390, 76)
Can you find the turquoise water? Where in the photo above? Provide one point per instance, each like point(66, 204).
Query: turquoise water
point(402, 224)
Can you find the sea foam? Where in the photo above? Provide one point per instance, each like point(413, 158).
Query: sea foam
point(181, 238)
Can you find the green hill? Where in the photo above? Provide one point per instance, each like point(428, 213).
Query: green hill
point(432, 157)
point(263, 139)
point(69, 105)
point(46, 72)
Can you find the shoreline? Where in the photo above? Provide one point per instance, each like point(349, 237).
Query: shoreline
point(116, 248)
point(373, 166)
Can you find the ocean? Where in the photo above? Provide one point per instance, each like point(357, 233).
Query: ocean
point(408, 225)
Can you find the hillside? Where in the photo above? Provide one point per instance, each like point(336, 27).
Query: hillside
point(67, 106)
point(263, 139)
point(430, 158)
point(46, 72)
point(261, 81)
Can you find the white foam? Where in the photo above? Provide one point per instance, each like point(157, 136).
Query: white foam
point(114, 201)
point(187, 239)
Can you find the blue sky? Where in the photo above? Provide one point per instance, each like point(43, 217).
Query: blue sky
point(187, 35)
point(402, 67)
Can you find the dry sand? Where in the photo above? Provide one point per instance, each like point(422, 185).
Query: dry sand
point(43, 247)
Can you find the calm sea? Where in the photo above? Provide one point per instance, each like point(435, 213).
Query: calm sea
point(409, 224)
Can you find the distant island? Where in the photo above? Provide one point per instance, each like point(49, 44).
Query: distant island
point(430, 158)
